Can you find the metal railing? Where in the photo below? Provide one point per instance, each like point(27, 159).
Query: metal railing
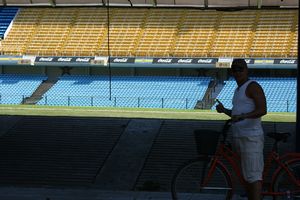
point(135, 102)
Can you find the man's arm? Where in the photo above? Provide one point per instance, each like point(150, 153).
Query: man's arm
point(221, 109)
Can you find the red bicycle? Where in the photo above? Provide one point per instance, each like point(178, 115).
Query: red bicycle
point(208, 174)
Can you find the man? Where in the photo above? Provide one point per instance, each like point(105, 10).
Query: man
point(249, 104)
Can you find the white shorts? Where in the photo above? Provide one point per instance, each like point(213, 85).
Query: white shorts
point(250, 149)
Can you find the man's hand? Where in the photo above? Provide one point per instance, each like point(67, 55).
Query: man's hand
point(220, 108)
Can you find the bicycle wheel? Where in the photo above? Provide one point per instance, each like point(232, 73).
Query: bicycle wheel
point(188, 179)
point(283, 182)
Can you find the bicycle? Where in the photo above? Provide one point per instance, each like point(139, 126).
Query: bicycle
point(208, 174)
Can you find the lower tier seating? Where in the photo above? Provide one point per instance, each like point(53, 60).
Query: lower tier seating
point(16, 87)
point(127, 91)
point(280, 93)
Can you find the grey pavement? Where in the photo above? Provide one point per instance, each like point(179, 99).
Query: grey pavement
point(21, 193)
point(99, 159)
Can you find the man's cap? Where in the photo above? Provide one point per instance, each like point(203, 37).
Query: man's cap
point(239, 63)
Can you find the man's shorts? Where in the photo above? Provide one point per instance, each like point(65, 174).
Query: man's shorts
point(250, 149)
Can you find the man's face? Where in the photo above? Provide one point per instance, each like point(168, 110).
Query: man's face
point(240, 73)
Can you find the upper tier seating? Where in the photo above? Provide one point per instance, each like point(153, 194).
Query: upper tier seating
point(234, 34)
point(159, 32)
point(153, 32)
point(195, 33)
point(280, 93)
point(273, 34)
point(14, 88)
point(127, 91)
point(86, 33)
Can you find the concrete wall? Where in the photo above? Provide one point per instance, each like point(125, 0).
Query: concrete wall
point(22, 70)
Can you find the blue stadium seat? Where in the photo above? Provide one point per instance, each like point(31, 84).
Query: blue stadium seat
point(128, 91)
point(14, 87)
point(280, 93)
point(7, 14)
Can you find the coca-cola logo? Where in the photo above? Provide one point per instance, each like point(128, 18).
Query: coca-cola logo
point(64, 59)
point(45, 59)
point(83, 59)
point(167, 60)
point(207, 61)
point(287, 62)
point(120, 60)
point(185, 61)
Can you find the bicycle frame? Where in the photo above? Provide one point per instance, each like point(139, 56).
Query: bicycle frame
point(223, 151)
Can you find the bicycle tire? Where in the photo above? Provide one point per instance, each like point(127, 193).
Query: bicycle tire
point(284, 184)
point(186, 182)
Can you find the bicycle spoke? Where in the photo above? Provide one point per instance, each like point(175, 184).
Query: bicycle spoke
point(187, 182)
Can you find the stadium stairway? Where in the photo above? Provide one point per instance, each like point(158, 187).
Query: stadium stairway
point(217, 89)
point(209, 96)
point(128, 155)
point(40, 91)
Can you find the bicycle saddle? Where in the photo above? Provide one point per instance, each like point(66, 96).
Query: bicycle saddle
point(281, 136)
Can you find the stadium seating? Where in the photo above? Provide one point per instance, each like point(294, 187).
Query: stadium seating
point(7, 14)
point(124, 32)
point(234, 34)
point(159, 32)
point(83, 31)
point(280, 93)
point(54, 28)
point(294, 45)
point(24, 27)
point(273, 33)
point(87, 32)
point(16, 87)
point(127, 91)
point(198, 27)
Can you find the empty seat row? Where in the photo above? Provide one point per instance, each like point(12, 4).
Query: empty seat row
point(15, 88)
point(128, 91)
point(280, 93)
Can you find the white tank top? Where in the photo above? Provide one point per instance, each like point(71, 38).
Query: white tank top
point(243, 104)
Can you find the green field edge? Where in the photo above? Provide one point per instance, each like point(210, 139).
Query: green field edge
point(158, 113)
